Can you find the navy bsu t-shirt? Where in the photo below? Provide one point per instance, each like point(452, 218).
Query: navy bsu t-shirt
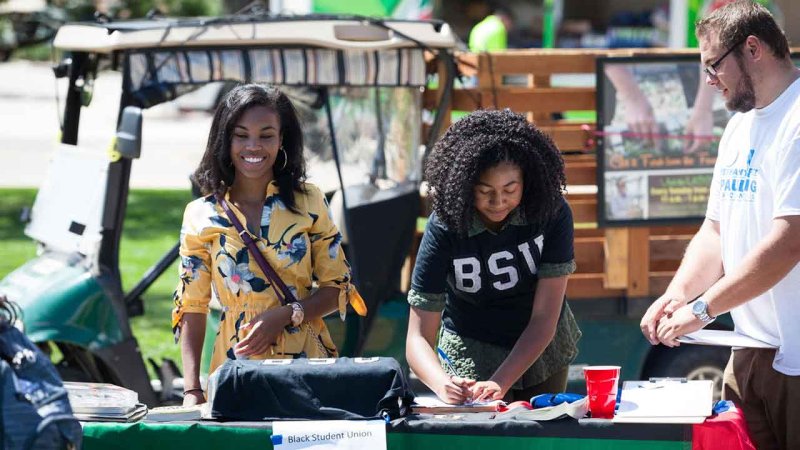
point(489, 279)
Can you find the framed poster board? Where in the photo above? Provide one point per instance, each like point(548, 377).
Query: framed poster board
point(659, 126)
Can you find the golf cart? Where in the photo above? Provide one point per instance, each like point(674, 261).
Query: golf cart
point(357, 84)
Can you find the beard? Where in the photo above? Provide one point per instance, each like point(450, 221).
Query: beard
point(743, 99)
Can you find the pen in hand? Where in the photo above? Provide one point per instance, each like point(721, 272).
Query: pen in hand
point(447, 362)
point(461, 382)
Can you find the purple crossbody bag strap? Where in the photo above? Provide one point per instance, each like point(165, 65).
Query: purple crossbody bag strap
point(285, 296)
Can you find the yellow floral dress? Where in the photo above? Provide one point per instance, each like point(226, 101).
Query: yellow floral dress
point(302, 248)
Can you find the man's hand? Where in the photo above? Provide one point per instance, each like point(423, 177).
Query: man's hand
point(666, 304)
point(680, 323)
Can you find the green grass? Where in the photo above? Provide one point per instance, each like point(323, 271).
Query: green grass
point(38, 52)
point(151, 227)
point(15, 247)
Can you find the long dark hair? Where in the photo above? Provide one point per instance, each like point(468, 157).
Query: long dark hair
point(483, 140)
point(216, 173)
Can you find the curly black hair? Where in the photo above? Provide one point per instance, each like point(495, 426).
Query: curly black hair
point(483, 140)
point(216, 173)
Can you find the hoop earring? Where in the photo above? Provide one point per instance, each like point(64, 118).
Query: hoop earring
point(285, 158)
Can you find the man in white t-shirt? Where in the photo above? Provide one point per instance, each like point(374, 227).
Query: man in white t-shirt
point(745, 257)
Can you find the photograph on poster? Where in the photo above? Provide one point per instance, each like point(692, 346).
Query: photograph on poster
point(659, 126)
point(625, 197)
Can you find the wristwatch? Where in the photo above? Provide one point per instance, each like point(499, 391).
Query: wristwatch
point(298, 313)
point(700, 310)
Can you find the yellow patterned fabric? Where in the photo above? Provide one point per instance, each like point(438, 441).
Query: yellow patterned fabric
point(303, 248)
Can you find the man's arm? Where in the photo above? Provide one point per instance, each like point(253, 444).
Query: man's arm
point(771, 260)
point(763, 267)
point(700, 268)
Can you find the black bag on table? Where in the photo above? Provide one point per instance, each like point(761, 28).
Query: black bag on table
point(34, 408)
point(335, 389)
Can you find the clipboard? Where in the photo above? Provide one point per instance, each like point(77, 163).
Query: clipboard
point(723, 338)
point(665, 401)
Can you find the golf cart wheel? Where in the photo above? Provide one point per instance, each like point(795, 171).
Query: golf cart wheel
point(694, 362)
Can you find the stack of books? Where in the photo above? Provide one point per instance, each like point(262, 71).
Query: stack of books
point(103, 402)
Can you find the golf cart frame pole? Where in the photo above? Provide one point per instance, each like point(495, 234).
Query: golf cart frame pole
point(119, 173)
point(73, 104)
point(447, 60)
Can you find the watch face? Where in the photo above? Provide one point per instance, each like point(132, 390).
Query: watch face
point(699, 307)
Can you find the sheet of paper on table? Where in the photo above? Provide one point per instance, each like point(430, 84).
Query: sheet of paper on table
point(723, 338)
point(329, 434)
point(665, 401)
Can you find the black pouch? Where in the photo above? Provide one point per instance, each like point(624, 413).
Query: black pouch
point(318, 389)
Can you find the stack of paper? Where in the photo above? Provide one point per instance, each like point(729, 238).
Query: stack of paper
point(666, 401)
point(104, 402)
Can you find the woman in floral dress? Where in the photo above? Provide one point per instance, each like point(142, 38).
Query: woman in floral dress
point(254, 160)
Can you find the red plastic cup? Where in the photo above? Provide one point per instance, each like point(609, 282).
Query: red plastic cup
point(601, 388)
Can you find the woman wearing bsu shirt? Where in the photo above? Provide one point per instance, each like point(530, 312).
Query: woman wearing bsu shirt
point(493, 264)
point(254, 163)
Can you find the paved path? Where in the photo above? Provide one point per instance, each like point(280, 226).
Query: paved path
point(172, 141)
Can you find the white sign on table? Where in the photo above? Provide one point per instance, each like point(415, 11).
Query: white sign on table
point(329, 434)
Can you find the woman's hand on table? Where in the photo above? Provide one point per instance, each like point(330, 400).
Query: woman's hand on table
point(455, 390)
point(264, 330)
point(487, 391)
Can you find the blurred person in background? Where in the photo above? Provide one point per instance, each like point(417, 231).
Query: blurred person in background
point(491, 34)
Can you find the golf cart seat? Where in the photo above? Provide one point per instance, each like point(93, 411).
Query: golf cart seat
point(379, 235)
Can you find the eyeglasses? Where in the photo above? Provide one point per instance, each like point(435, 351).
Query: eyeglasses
point(711, 69)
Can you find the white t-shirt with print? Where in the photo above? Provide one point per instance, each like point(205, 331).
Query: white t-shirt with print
point(757, 179)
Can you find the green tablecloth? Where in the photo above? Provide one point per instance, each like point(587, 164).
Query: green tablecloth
point(417, 434)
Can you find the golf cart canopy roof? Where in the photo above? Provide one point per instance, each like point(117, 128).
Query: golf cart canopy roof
point(331, 32)
point(163, 58)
